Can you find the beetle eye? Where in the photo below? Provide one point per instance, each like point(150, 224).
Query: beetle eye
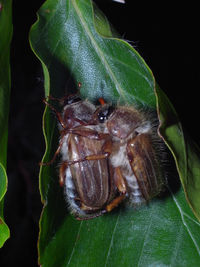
point(101, 117)
point(104, 114)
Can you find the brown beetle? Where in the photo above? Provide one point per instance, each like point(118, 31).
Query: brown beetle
point(85, 171)
point(137, 151)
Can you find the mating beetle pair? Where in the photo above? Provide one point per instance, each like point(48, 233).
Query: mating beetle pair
point(108, 154)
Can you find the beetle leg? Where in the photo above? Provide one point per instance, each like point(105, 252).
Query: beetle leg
point(106, 150)
point(116, 201)
point(90, 216)
point(58, 115)
point(55, 98)
point(121, 186)
point(108, 208)
point(90, 157)
point(119, 181)
point(107, 146)
point(54, 157)
point(62, 173)
point(96, 157)
point(89, 133)
point(66, 164)
point(86, 208)
point(55, 154)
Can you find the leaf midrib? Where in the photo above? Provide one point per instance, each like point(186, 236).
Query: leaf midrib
point(97, 49)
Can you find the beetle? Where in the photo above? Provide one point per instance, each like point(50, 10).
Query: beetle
point(85, 171)
point(137, 152)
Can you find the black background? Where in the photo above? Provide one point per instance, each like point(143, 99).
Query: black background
point(166, 37)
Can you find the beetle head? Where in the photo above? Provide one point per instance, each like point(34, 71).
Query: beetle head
point(123, 122)
point(77, 112)
point(104, 113)
point(120, 121)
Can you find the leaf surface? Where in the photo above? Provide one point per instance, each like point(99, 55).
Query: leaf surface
point(185, 152)
point(75, 43)
point(5, 39)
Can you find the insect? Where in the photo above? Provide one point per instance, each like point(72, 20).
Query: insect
point(137, 151)
point(108, 154)
point(85, 171)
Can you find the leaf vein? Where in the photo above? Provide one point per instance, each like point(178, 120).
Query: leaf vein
point(185, 224)
point(191, 219)
point(72, 253)
point(176, 245)
point(111, 241)
point(145, 237)
point(98, 49)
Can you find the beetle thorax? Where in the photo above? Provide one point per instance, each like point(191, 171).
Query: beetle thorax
point(123, 122)
point(78, 114)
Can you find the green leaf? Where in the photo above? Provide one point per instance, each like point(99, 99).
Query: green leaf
point(99, 67)
point(75, 45)
point(185, 152)
point(5, 37)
